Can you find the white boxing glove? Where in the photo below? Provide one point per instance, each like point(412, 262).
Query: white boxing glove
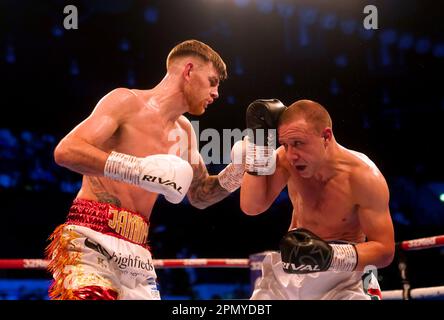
point(160, 173)
point(260, 159)
point(230, 178)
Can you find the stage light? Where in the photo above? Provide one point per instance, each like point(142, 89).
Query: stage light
point(341, 60)
point(74, 68)
point(57, 31)
point(239, 69)
point(289, 80)
point(406, 41)
point(308, 15)
point(334, 87)
point(10, 55)
point(124, 45)
point(264, 6)
point(231, 99)
point(388, 37)
point(241, 3)
point(438, 51)
point(131, 78)
point(423, 45)
point(151, 15)
point(285, 10)
point(366, 34)
point(329, 21)
point(348, 26)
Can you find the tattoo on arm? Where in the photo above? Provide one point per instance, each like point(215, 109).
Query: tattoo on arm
point(205, 190)
point(100, 192)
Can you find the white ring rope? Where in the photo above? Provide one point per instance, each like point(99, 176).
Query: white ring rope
point(418, 293)
point(416, 244)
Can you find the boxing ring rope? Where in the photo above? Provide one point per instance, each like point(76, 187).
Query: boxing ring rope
point(422, 243)
point(418, 293)
point(405, 293)
point(159, 263)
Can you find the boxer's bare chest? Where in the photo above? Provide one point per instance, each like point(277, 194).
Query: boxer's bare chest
point(327, 208)
point(146, 133)
point(141, 133)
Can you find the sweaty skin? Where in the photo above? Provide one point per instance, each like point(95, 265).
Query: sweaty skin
point(338, 194)
point(142, 123)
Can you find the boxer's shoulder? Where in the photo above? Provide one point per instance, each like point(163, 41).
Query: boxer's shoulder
point(361, 165)
point(119, 101)
point(123, 94)
point(368, 184)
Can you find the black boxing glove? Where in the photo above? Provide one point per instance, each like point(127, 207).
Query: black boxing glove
point(304, 252)
point(262, 117)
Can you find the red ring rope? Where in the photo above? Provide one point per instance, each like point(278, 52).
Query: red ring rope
point(416, 244)
point(159, 263)
point(422, 243)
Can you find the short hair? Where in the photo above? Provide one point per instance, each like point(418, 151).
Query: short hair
point(310, 111)
point(201, 50)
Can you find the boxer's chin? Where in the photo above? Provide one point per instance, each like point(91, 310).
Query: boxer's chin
point(197, 109)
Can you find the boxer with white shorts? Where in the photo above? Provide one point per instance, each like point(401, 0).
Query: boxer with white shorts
point(341, 222)
point(127, 152)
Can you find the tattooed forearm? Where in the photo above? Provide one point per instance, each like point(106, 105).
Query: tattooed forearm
point(205, 190)
point(102, 195)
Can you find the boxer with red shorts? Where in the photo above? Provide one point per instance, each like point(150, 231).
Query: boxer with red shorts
point(128, 154)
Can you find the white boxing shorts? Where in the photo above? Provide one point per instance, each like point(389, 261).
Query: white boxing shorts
point(275, 284)
point(101, 253)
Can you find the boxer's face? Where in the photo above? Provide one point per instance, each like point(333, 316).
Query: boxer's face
point(304, 147)
point(202, 88)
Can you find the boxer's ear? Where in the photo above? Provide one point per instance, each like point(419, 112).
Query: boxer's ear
point(187, 70)
point(327, 134)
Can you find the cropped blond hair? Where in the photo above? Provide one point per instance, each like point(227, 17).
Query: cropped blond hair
point(201, 50)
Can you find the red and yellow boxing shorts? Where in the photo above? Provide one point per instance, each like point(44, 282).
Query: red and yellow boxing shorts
point(101, 252)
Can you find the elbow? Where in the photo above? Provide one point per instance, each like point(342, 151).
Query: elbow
point(387, 257)
point(64, 153)
point(198, 204)
point(251, 209)
point(251, 206)
point(61, 154)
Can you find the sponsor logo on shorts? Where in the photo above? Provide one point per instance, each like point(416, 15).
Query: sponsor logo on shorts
point(125, 261)
point(97, 247)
